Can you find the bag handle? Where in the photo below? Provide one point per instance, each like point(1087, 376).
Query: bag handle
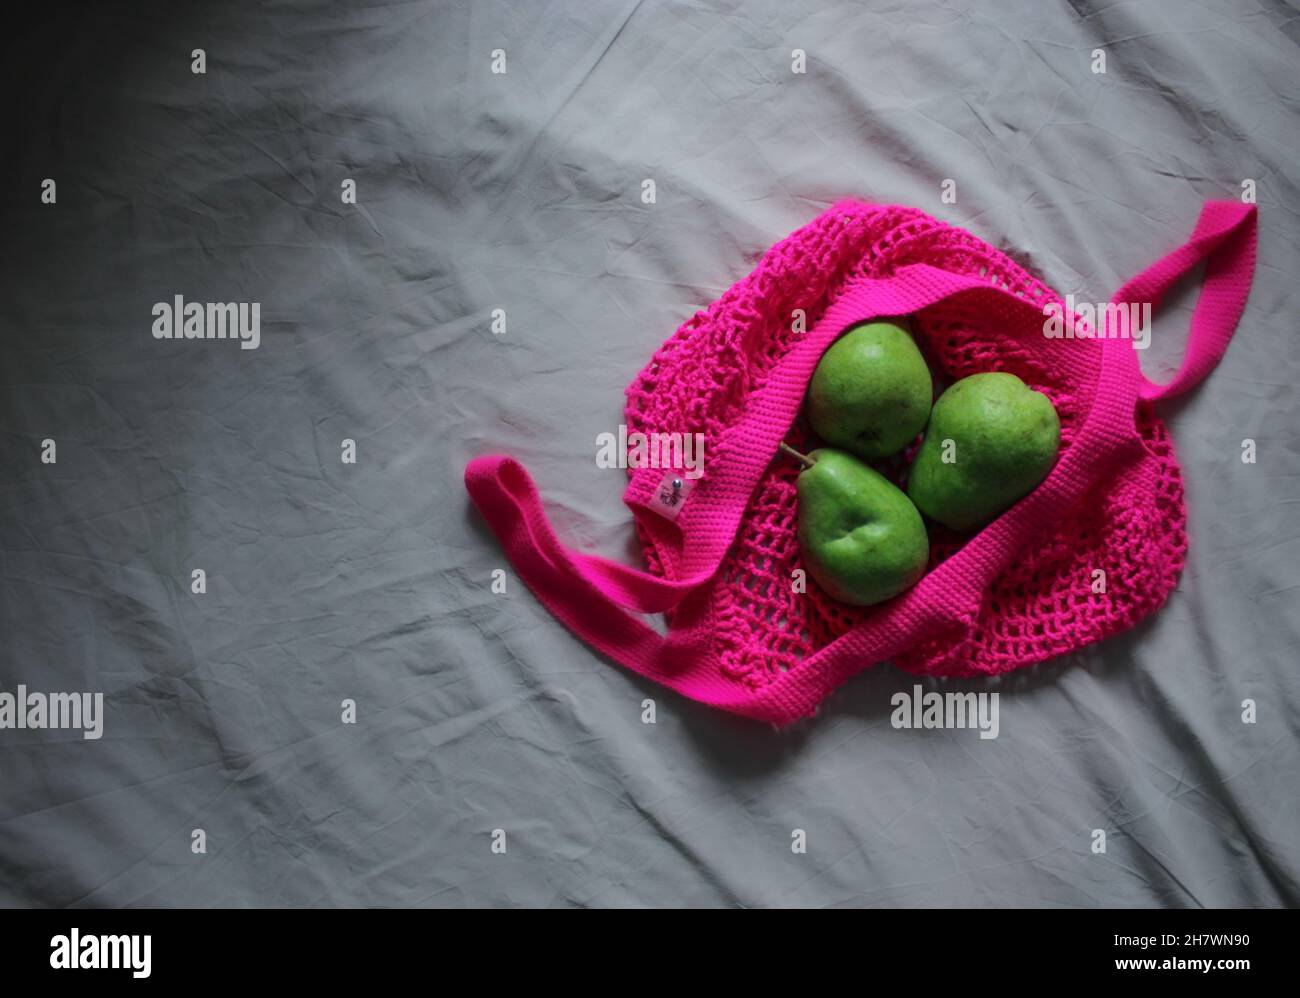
point(581, 599)
point(563, 581)
point(1225, 238)
point(508, 499)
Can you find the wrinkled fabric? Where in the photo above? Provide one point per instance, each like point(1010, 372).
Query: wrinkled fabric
point(373, 582)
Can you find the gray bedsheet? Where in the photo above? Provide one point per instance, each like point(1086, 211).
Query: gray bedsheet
point(371, 582)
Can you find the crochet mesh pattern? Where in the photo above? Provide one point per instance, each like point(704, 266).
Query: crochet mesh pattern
point(1046, 603)
point(1095, 547)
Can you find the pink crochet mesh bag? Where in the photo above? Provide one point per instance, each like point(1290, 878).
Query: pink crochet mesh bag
point(722, 554)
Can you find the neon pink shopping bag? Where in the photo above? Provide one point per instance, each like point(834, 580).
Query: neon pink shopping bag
point(721, 561)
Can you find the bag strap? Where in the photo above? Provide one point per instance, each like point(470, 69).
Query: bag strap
point(566, 583)
point(582, 601)
point(1225, 239)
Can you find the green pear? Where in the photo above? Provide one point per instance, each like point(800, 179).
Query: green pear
point(870, 394)
point(861, 539)
point(991, 440)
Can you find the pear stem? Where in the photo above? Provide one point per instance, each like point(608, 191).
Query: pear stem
point(789, 451)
